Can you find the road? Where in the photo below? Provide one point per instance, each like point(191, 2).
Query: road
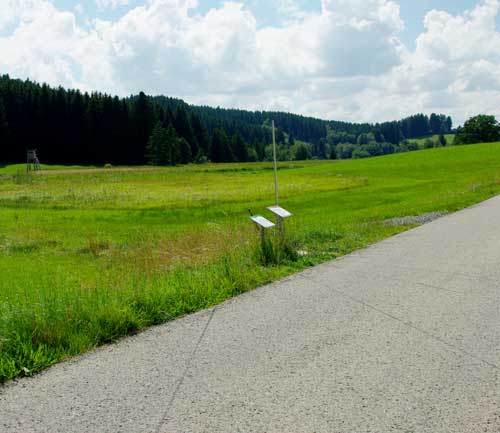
point(401, 337)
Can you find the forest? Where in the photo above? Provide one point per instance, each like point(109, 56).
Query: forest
point(68, 126)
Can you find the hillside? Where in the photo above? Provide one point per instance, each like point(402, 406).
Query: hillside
point(70, 127)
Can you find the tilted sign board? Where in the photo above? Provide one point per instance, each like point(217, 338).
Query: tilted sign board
point(279, 211)
point(262, 222)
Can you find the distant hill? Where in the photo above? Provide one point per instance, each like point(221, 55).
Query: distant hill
point(71, 127)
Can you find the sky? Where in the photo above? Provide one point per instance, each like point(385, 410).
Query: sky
point(353, 60)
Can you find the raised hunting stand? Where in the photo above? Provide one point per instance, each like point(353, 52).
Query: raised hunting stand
point(32, 164)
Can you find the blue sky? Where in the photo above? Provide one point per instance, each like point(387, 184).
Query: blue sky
point(412, 11)
point(356, 60)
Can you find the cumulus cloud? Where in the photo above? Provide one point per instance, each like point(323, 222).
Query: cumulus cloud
point(456, 61)
point(345, 61)
point(47, 45)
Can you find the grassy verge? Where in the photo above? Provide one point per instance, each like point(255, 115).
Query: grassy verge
point(87, 256)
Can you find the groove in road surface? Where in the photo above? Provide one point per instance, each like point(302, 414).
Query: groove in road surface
point(407, 324)
point(164, 417)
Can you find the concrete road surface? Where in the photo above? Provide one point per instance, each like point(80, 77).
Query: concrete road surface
point(401, 337)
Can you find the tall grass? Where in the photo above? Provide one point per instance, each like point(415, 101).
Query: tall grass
point(87, 256)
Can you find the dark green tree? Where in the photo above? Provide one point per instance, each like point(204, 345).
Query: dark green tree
point(321, 148)
point(143, 122)
point(280, 136)
point(184, 129)
point(185, 150)
point(201, 135)
point(479, 129)
point(448, 124)
point(221, 147)
point(301, 152)
point(239, 148)
point(173, 147)
point(156, 149)
point(435, 124)
point(442, 140)
point(4, 126)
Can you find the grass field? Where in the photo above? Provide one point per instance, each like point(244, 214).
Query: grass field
point(420, 141)
point(87, 256)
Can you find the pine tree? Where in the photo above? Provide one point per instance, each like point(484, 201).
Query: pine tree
point(184, 129)
point(442, 140)
point(156, 149)
point(280, 137)
point(449, 124)
point(172, 147)
point(142, 117)
point(185, 150)
point(239, 148)
point(221, 147)
point(201, 136)
point(4, 126)
point(435, 124)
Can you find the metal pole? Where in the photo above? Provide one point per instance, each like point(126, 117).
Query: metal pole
point(280, 227)
point(275, 166)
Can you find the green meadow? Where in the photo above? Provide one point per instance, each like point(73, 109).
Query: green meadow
point(90, 255)
point(435, 138)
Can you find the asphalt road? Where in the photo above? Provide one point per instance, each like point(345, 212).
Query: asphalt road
point(401, 337)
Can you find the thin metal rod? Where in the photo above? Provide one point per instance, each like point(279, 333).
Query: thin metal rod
point(275, 165)
point(280, 227)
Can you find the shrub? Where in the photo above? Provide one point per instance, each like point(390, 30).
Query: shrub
point(360, 152)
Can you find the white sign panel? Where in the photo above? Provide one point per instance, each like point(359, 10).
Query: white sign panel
point(261, 221)
point(283, 213)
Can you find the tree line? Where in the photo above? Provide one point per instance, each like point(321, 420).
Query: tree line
point(71, 127)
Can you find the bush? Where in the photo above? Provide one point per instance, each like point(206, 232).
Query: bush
point(412, 146)
point(301, 152)
point(360, 152)
point(344, 150)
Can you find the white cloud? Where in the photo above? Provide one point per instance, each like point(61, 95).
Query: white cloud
point(103, 4)
point(345, 61)
point(47, 45)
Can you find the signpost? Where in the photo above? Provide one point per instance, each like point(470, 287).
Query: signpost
point(278, 211)
point(264, 224)
point(281, 214)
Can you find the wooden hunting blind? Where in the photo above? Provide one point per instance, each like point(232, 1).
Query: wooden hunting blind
point(32, 162)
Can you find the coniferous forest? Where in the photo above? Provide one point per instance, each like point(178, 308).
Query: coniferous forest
point(71, 127)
